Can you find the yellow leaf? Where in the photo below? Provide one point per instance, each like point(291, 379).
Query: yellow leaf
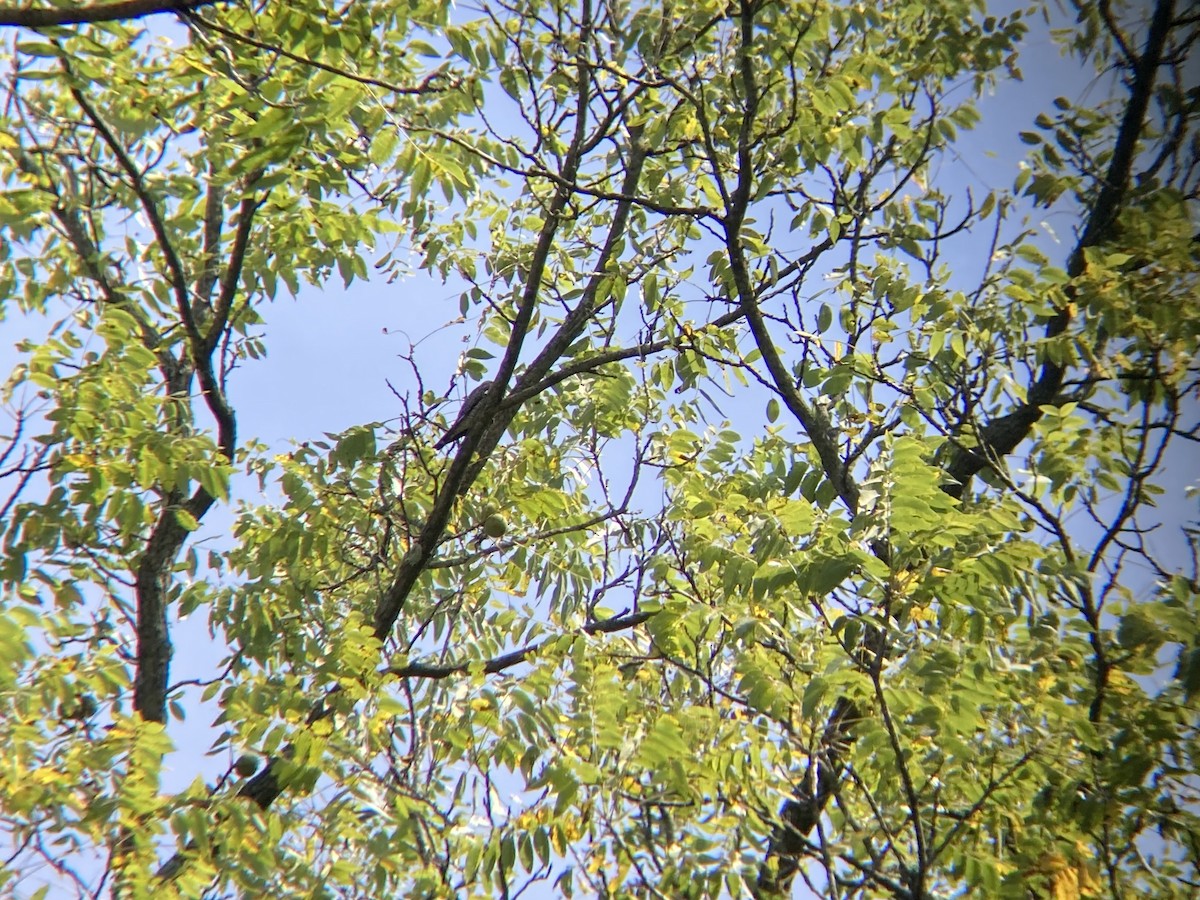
point(1089, 879)
point(1064, 885)
point(923, 614)
point(903, 583)
point(1054, 877)
point(44, 775)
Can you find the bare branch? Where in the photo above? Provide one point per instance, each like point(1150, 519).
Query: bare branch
point(508, 660)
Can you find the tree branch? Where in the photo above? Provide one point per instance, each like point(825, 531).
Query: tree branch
point(801, 814)
point(465, 467)
point(425, 87)
point(1002, 435)
point(119, 11)
point(507, 660)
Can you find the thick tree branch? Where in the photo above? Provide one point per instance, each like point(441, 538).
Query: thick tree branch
point(1002, 435)
point(814, 422)
point(496, 409)
point(153, 573)
point(459, 477)
point(146, 200)
point(200, 346)
point(800, 814)
point(231, 279)
point(118, 11)
point(466, 467)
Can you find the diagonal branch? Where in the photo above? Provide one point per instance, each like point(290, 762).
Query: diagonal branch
point(1001, 436)
point(467, 465)
point(498, 664)
point(460, 476)
point(429, 85)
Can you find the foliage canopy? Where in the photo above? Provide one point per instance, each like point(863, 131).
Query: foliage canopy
point(804, 533)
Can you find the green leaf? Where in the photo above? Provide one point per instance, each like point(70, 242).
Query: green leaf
point(1188, 673)
point(187, 520)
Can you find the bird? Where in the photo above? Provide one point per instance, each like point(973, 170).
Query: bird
point(459, 428)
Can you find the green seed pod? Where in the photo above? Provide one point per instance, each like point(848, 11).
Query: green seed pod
point(495, 525)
